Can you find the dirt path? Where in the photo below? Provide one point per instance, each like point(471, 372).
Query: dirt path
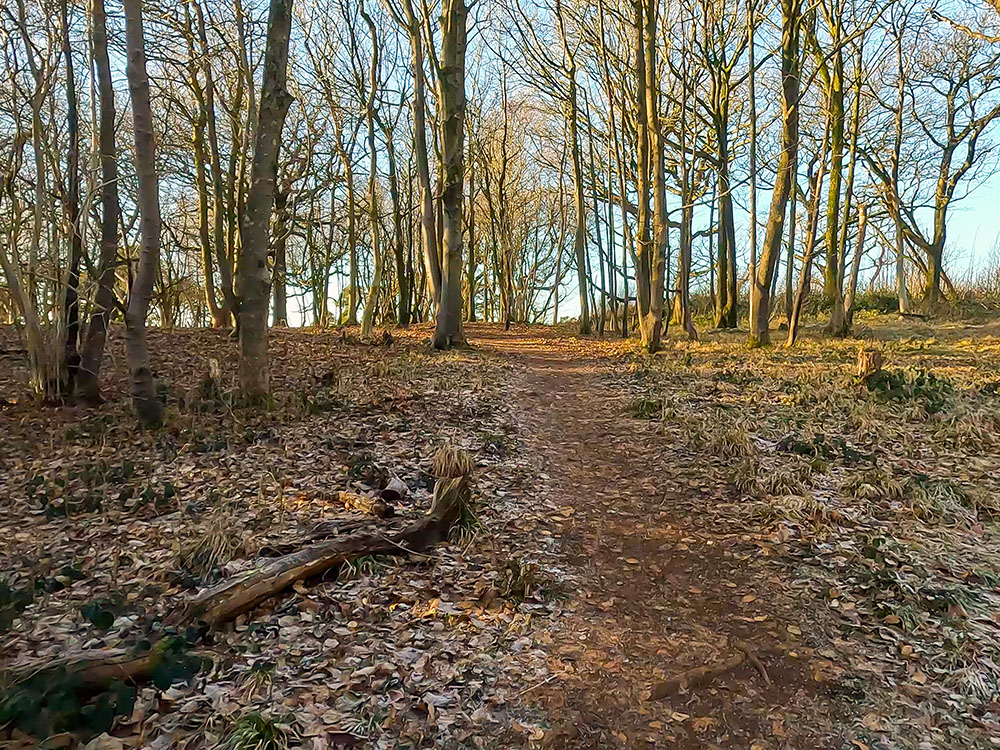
point(655, 590)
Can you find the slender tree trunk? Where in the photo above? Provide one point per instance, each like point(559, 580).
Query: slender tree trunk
point(253, 276)
point(368, 317)
point(859, 251)
point(687, 214)
point(279, 244)
point(579, 207)
point(649, 276)
point(811, 232)
point(144, 399)
point(657, 322)
point(833, 282)
point(597, 225)
point(448, 328)
point(428, 229)
point(198, 125)
point(791, 11)
point(43, 365)
point(399, 251)
point(751, 45)
point(725, 310)
point(896, 209)
point(790, 262)
point(71, 310)
point(223, 252)
point(88, 378)
point(470, 266)
point(561, 238)
point(39, 75)
point(352, 246)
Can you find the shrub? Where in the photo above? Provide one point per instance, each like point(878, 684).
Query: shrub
point(934, 392)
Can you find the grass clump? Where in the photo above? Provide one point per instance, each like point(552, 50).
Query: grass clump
point(214, 544)
point(645, 407)
point(874, 484)
point(450, 463)
point(793, 509)
point(753, 478)
point(257, 731)
point(934, 393)
point(366, 565)
point(725, 440)
point(937, 500)
point(518, 580)
point(466, 528)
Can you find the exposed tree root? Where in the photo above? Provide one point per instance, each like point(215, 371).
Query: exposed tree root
point(702, 676)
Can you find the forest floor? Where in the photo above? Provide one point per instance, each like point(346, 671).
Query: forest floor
point(831, 545)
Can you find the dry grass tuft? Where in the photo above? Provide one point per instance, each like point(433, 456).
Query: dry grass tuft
point(450, 462)
point(936, 500)
point(874, 484)
point(792, 508)
point(213, 545)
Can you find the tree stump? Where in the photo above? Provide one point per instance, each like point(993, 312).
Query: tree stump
point(869, 361)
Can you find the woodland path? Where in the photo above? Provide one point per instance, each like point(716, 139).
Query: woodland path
point(656, 589)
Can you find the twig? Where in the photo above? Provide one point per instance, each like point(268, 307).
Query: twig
point(538, 685)
point(405, 549)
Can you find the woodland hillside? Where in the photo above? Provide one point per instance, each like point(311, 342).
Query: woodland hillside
point(517, 373)
point(819, 547)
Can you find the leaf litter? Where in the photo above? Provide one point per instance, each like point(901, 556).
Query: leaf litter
point(758, 498)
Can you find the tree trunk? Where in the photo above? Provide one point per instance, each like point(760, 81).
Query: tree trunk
point(761, 282)
point(398, 248)
point(833, 281)
point(448, 328)
point(687, 215)
point(725, 310)
point(368, 317)
point(88, 378)
point(352, 248)
point(649, 276)
point(198, 126)
point(859, 251)
point(817, 190)
point(752, 78)
point(144, 399)
point(71, 310)
point(790, 258)
point(253, 277)
point(470, 265)
point(658, 262)
point(579, 206)
point(223, 252)
point(428, 230)
point(279, 288)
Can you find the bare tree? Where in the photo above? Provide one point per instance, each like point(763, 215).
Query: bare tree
point(88, 378)
point(451, 85)
point(254, 278)
point(144, 399)
point(791, 12)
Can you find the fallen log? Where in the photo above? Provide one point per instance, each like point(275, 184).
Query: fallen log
point(227, 600)
point(94, 669)
point(235, 596)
